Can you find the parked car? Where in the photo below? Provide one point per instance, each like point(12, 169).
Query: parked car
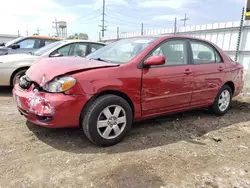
point(15, 65)
point(26, 44)
point(126, 81)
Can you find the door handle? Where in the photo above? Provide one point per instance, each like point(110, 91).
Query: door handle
point(220, 68)
point(187, 71)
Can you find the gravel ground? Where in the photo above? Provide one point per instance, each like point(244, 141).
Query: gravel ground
point(191, 149)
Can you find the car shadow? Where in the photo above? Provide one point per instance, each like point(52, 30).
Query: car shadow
point(5, 91)
point(148, 133)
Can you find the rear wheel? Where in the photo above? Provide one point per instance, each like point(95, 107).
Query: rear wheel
point(18, 75)
point(223, 101)
point(108, 120)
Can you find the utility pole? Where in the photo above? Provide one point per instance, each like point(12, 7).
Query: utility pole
point(239, 35)
point(117, 32)
point(142, 30)
point(103, 19)
point(37, 29)
point(185, 19)
point(18, 34)
point(99, 36)
point(27, 32)
point(175, 25)
point(56, 27)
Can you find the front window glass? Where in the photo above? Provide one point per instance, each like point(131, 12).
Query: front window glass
point(174, 52)
point(47, 48)
point(28, 43)
point(13, 41)
point(122, 51)
point(65, 50)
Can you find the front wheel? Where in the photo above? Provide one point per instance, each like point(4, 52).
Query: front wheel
point(223, 101)
point(108, 120)
point(17, 76)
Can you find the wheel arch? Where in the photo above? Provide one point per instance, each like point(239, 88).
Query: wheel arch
point(231, 85)
point(17, 70)
point(108, 92)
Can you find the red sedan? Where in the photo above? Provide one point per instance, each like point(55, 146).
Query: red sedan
point(131, 79)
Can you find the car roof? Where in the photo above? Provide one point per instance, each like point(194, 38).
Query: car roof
point(43, 37)
point(80, 40)
point(171, 36)
point(164, 37)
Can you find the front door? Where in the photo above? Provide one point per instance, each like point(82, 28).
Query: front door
point(169, 87)
point(208, 70)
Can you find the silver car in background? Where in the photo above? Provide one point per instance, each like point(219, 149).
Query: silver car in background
point(14, 66)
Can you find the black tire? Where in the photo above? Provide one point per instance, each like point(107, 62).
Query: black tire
point(19, 74)
point(91, 114)
point(215, 107)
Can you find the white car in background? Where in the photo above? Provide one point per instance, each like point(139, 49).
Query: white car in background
point(14, 66)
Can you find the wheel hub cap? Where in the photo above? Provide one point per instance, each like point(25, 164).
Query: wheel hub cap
point(111, 122)
point(224, 100)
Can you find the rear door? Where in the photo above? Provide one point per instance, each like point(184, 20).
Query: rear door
point(168, 87)
point(208, 70)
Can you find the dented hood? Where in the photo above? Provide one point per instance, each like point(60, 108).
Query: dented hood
point(46, 69)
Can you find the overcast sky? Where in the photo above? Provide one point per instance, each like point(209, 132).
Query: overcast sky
point(85, 15)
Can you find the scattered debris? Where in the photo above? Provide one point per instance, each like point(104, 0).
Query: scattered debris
point(241, 146)
point(216, 139)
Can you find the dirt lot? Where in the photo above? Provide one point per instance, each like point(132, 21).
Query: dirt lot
point(191, 149)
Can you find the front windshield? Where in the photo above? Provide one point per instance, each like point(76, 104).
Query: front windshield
point(122, 51)
point(47, 48)
point(13, 41)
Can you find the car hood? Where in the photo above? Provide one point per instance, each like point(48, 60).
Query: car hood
point(18, 58)
point(3, 50)
point(45, 70)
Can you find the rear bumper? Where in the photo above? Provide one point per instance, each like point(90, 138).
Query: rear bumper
point(54, 110)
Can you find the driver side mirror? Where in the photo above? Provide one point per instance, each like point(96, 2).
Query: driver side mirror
point(155, 60)
point(14, 46)
point(56, 55)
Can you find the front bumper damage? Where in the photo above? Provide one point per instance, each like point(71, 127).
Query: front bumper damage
point(54, 110)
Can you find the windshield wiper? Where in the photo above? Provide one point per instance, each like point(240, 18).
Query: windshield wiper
point(99, 59)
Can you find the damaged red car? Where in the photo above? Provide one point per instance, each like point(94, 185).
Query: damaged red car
point(128, 80)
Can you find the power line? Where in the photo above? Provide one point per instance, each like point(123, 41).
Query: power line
point(88, 20)
point(136, 17)
point(91, 13)
point(121, 20)
point(121, 25)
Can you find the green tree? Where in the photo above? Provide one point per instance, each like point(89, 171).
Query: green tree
point(83, 36)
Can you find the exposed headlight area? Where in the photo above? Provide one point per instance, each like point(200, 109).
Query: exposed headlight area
point(25, 82)
point(60, 84)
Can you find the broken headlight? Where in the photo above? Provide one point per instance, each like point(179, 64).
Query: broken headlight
point(60, 84)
